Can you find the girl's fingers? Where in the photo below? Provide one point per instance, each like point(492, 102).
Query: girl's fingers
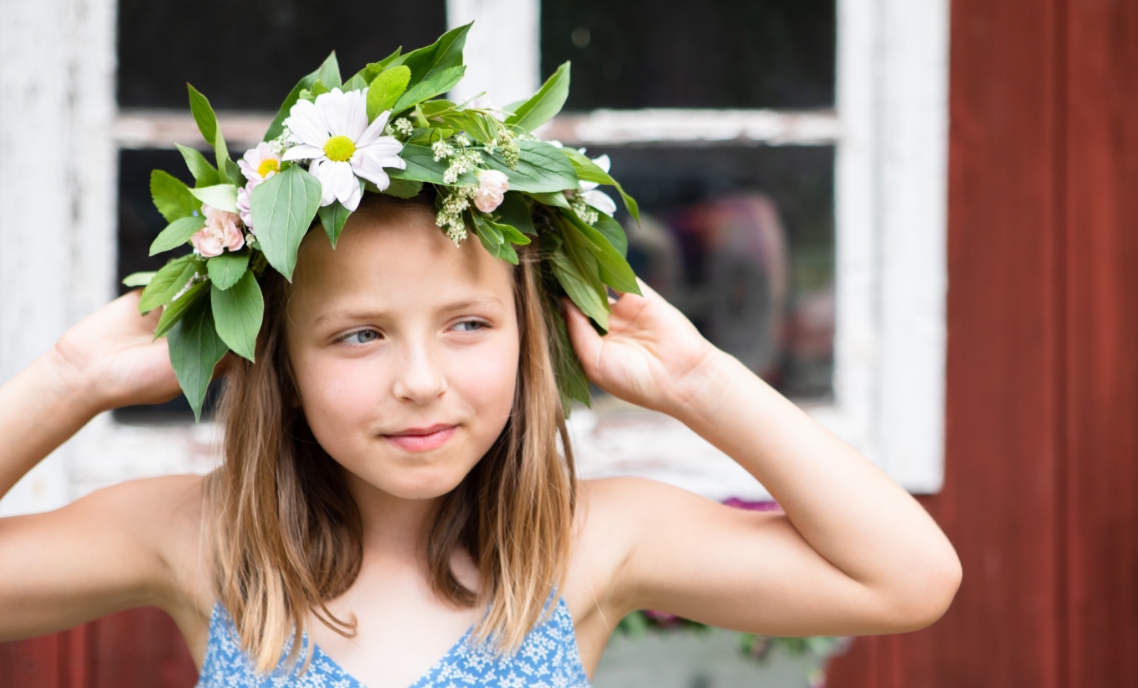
point(586, 341)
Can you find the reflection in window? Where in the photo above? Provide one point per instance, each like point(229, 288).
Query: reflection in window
point(675, 53)
point(741, 241)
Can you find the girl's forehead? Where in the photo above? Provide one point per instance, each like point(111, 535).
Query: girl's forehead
point(404, 263)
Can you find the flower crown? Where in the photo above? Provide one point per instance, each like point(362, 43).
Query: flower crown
point(385, 130)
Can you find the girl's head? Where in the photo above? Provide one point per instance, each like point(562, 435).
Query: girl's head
point(396, 366)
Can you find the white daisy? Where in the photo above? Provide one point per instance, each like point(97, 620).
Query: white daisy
point(335, 135)
point(599, 199)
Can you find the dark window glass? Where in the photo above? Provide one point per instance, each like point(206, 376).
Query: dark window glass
point(248, 54)
point(139, 224)
point(742, 241)
point(678, 53)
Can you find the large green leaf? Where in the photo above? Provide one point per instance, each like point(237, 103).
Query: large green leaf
point(541, 168)
point(572, 384)
point(171, 196)
point(373, 69)
point(203, 115)
point(589, 171)
point(195, 349)
point(176, 233)
point(544, 104)
point(438, 56)
point(385, 90)
point(555, 199)
point(422, 167)
point(436, 83)
point(220, 196)
point(515, 212)
point(167, 282)
point(225, 270)
point(402, 188)
point(476, 125)
point(612, 231)
point(589, 296)
point(237, 313)
point(177, 308)
point(205, 174)
point(283, 207)
point(328, 73)
point(138, 279)
point(332, 218)
point(614, 269)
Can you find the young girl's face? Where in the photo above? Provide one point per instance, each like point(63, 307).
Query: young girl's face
point(405, 351)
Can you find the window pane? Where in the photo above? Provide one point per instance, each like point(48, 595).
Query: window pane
point(139, 224)
point(742, 241)
point(675, 53)
point(248, 54)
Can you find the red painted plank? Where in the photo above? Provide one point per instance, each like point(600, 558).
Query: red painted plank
point(31, 663)
point(1102, 423)
point(141, 648)
point(1001, 499)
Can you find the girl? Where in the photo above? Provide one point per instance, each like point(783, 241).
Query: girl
point(397, 504)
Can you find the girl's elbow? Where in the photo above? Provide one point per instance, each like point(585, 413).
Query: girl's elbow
point(928, 594)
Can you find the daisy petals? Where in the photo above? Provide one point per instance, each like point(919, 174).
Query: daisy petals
point(307, 124)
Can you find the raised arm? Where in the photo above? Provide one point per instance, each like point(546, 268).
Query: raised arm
point(853, 554)
point(105, 552)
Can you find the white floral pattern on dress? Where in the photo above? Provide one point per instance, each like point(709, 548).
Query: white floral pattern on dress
point(548, 658)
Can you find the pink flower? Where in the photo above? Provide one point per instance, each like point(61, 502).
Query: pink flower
point(260, 163)
point(243, 207)
point(492, 187)
point(220, 233)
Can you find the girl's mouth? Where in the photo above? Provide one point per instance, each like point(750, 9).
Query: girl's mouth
point(422, 439)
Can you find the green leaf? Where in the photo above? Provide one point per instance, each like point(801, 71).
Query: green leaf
point(356, 83)
point(237, 313)
point(544, 104)
point(195, 349)
point(589, 171)
point(205, 174)
point(541, 168)
point(555, 199)
point(226, 269)
point(283, 207)
point(373, 69)
point(138, 279)
point(515, 212)
point(174, 311)
point(438, 56)
point(614, 269)
point(403, 188)
point(572, 384)
point(203, 115)
point(328, 72)
point(589, 296)
point(171, 196)
point(612, 231)
point(435, 84)
point(176, 233)
point(332, 218)
point(422, 167)
point(167, 282)
point(220, 196)
point(475, 124)
point(509, 233)
point(385, 90)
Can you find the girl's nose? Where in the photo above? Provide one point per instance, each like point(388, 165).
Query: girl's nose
point(419, 380)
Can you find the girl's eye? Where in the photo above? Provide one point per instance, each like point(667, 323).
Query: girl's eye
point(360, 337)
point(469, 326)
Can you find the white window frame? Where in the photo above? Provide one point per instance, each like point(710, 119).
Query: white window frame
point(62, 130)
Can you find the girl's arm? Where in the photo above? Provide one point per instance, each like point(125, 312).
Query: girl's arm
point(109, 551)
point(853, 553)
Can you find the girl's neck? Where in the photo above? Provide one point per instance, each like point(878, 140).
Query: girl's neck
point(391, 525)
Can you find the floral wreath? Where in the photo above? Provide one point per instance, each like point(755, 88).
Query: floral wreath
point(385, 130)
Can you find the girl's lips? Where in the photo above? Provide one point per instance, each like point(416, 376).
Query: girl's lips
point(424, 439)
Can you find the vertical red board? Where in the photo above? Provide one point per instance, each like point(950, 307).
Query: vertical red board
point(1002, 502)
point(1102, 348)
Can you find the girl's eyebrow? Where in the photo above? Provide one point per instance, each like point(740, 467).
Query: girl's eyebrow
point(356, 315)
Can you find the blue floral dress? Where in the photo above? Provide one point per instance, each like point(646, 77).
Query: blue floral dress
point(547, 658)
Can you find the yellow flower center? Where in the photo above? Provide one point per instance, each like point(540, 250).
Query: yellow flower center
point(339, 148)
point(268, 166)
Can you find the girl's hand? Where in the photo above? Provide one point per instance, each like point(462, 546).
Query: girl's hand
point(110, 358)
point(652, 355)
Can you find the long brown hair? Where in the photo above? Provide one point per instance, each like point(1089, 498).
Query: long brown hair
point(287, 536)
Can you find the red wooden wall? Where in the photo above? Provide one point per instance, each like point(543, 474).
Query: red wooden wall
point(1041, 493)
